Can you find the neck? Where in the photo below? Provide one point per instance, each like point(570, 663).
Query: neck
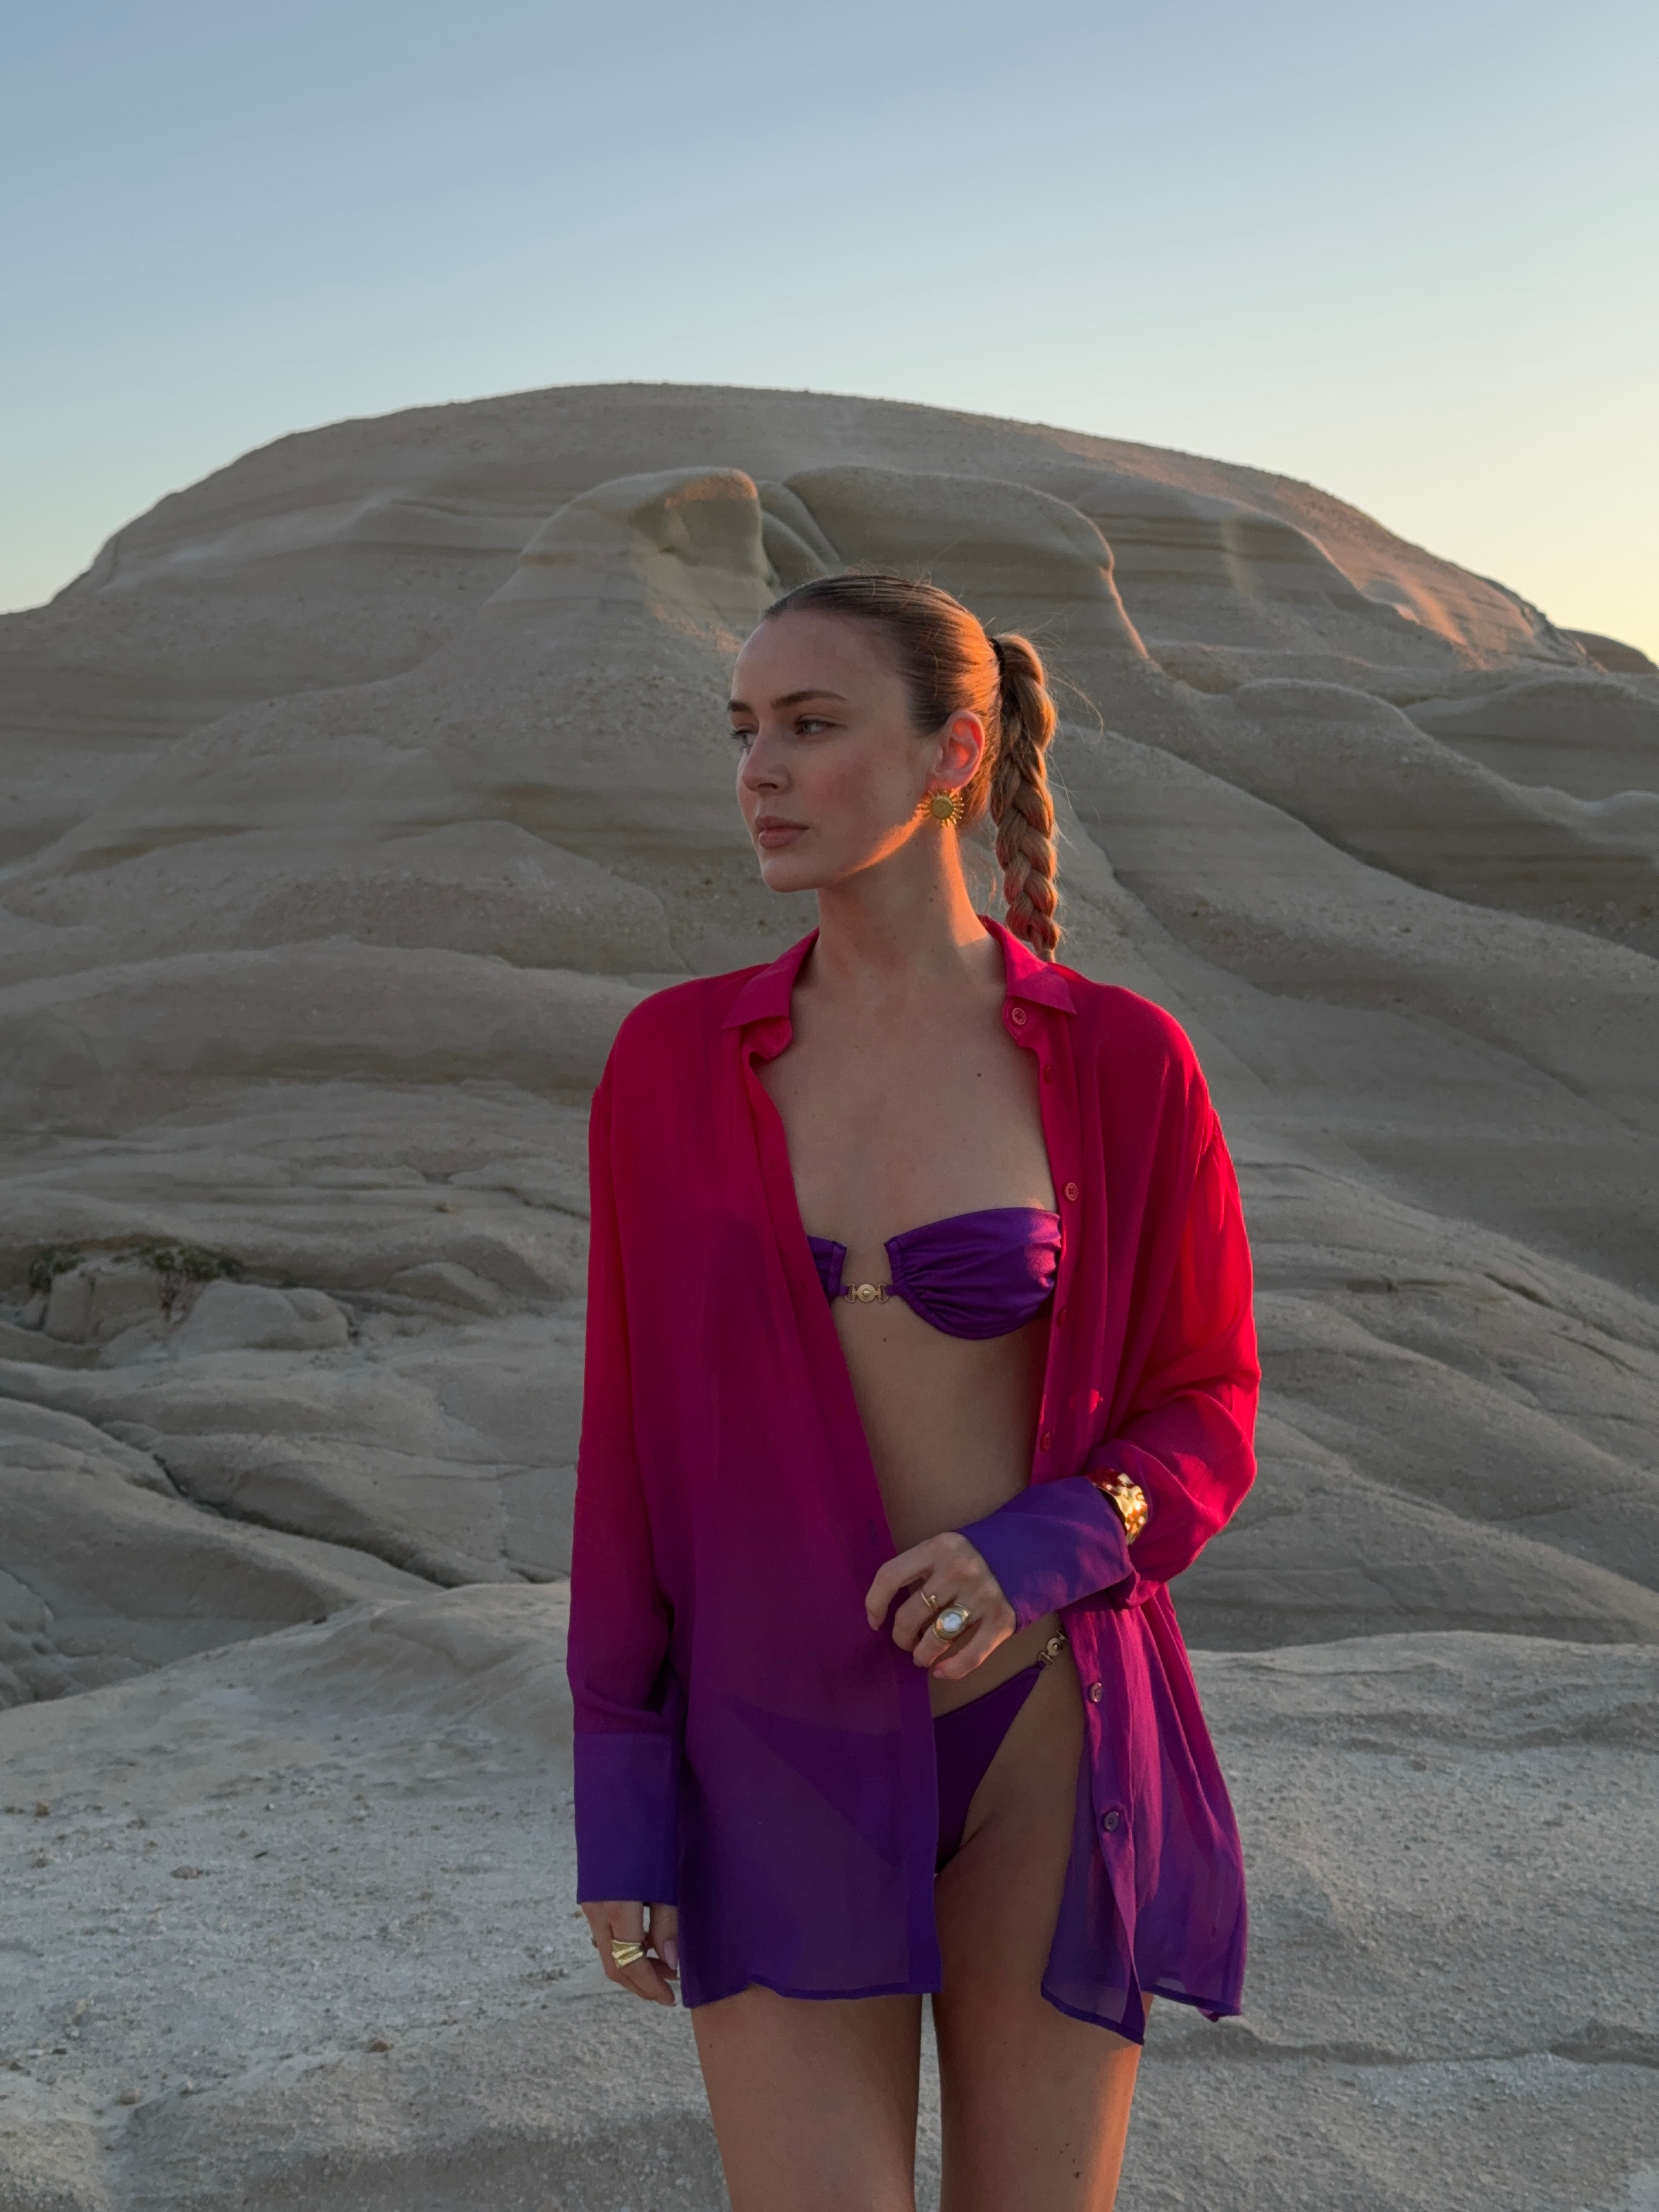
point(905, 925)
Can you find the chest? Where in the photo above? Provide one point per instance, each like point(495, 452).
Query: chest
point(891, 1126)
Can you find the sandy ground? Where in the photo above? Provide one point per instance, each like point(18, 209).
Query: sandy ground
point(308, 1904)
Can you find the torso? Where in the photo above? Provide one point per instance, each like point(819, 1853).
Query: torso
point(928, 1112)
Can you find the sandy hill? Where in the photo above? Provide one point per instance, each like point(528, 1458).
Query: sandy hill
point(346, 804)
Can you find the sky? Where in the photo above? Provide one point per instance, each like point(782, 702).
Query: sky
point(1408, 254)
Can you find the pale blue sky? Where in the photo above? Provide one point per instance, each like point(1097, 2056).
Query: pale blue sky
point(1406, 252)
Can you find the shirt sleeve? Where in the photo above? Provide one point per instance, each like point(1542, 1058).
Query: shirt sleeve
point(1051, 1544)
point(1187, 1434)
point(1185, 1437)
point(627, 1737)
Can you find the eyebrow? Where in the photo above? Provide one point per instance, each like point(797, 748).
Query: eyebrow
point(789, 699)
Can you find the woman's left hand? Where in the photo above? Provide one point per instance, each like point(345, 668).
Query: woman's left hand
point(948, 1570)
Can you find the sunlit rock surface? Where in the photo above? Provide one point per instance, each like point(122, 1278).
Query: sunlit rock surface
point(347, 804)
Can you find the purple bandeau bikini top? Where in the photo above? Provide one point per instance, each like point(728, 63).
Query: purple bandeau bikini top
point(971, 1275)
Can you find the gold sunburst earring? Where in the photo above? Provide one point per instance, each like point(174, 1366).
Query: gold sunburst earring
point(943, 806)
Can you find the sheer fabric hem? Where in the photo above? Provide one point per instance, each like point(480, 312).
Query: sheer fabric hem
point(1211, 2009)
point(910, 1988)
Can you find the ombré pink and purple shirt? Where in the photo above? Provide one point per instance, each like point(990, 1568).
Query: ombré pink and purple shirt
point(746, 1746)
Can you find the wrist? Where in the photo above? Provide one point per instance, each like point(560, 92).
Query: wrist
point(1125, 1495)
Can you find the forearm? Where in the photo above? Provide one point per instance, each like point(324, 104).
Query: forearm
point(1053, 1544)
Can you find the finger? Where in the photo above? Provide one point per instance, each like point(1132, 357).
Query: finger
point(972, 1586)
point(647, 1979)
point(973, 1650)
point(930, 1649)
point(666, 1936)
point(643, 1977)
point(897, 1574)
point(964, 1653)
point(610, 1918)
point(974, 1589)
point(618, 1921)
point(947, 1561)
point(915, 1615)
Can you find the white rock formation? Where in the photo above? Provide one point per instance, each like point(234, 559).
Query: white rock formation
point(345, 806)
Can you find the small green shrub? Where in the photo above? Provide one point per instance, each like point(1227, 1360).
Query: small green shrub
point(55, 1260)
point(176, 1264)
point(192, 1263)
point(179, 1264)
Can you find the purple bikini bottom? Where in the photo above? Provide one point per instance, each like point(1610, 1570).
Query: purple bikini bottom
point(965, 1742)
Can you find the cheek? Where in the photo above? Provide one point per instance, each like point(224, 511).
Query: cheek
point(860, 792)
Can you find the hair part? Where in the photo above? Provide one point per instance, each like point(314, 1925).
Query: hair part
point(952, 665)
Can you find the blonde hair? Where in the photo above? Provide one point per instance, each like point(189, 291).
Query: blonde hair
point(952, 665)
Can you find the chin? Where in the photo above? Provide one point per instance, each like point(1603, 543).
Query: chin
point(789, 872)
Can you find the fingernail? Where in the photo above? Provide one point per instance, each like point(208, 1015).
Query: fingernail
point(671, 1955)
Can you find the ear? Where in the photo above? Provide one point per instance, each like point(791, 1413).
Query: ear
point(961, 748)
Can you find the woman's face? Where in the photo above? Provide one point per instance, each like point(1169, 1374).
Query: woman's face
point(830, 772)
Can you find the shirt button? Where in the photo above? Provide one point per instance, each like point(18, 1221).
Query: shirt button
point(1060, 1315)
point(1046, 1440)
point(1071, 1192)
point(1111, 1819)
point(1094, 1693)
point(1017, 1016)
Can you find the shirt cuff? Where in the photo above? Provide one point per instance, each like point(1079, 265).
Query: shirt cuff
point(1051, 1544)
point(627, 1818)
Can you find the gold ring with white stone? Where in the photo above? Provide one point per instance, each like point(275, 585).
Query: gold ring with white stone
point(949, 1625)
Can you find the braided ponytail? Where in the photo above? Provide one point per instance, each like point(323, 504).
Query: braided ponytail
point(1020, 805)
point(950, 663)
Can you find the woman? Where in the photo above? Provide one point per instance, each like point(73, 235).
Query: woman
point(920, 1358)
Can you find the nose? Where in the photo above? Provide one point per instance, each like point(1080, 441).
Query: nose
point(761, 769)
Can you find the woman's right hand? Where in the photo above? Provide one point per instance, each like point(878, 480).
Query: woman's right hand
point(624, 1921)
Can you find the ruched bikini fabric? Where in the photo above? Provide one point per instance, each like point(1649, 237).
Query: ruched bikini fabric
point(745, 1744)
point(971, 1274)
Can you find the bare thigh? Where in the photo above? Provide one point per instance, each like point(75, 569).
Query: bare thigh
point(1035, 2105)
point(814, 2102)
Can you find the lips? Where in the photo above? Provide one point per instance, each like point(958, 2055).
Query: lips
point(773, 833)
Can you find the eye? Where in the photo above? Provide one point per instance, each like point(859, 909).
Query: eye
point(742, 738)
point(809, 725)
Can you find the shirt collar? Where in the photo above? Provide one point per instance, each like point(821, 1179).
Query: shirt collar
point(1028, 976)
point(765, 996)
